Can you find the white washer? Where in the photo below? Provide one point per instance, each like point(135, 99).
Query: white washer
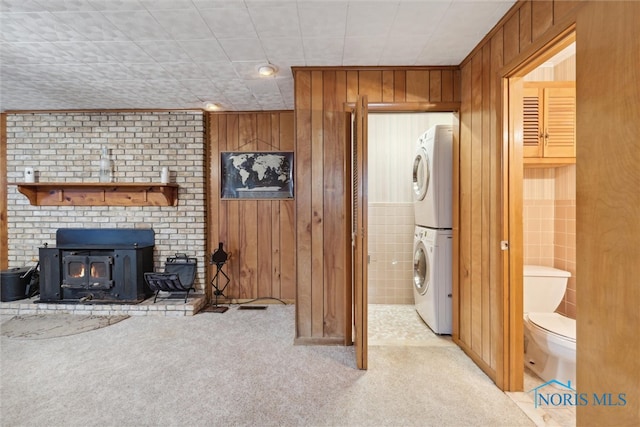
point(432, 270)
point(433, 178)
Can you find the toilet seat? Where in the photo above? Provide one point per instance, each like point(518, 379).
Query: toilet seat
point(554, 323)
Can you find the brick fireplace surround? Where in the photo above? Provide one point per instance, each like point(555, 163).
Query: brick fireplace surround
point(65, 147)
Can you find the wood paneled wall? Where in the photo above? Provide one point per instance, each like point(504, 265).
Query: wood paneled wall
point(607, 96)
point(483, 325)
point(258, 234)
point(322, 225)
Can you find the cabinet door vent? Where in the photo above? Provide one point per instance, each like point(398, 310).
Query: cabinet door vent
point(531, 118)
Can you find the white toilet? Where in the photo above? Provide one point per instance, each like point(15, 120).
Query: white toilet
point(549, 337)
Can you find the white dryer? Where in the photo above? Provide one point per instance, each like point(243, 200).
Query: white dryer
point(432, 272)
point(433, 178)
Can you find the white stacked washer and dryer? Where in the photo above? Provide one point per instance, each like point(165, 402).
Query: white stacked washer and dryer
point(433, 240)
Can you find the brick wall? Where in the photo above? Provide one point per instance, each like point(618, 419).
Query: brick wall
point(65, 147)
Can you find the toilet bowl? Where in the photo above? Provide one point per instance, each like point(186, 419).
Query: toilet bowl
point(550, 346)
point(550, 338)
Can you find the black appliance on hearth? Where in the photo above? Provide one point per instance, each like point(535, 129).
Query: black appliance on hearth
point(97, 265)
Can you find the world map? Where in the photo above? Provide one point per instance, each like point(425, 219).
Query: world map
point(257, 175)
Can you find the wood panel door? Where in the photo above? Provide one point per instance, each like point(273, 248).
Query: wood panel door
point(359, 231)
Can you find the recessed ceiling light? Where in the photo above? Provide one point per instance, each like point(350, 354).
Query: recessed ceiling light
point(212, 106)
point(267, 70)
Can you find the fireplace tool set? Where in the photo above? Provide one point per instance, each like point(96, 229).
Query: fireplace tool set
point(219, 258)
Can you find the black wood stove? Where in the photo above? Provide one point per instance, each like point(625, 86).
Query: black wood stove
point(97, 265)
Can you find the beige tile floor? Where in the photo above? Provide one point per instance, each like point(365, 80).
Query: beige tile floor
point(400, 325)
point(562, 416)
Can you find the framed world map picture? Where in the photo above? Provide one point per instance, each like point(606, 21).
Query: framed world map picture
point(256, 175)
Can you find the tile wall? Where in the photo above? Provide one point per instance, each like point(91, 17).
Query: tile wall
point(565, 234)
point(549, 224)
point(391, 227)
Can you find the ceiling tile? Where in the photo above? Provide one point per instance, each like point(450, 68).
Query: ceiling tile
point(364, 20)
point(323, 50)
point(418, 18)
point(319, 19)
point(218, 4)
point(363, 50)
point(20, 6)
point(125, 52)
point(46, 26)
point(12, 31)
point(92, 25)
point(165, 51)
point(263, 87)
point(183, 24)
point(229, 23)
point(220, 70)
point(404, 49)
point(66, 5)
point(184, 71)
point(243, 49)
point(275, 21)
point(137, 25)
point(283, 47)
point(106, 5)
point(167, 4)
point(84, 52)
point(148, 71)
point(113, 71)
point(32, 53)
point(204, 50)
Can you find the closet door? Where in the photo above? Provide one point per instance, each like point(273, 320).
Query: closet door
point(359, 231)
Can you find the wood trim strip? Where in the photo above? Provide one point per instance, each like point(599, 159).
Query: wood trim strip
point(394, 68)
point(303, 202)
point(318, 282)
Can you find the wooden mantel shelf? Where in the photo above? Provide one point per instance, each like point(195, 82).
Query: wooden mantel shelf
point(99, 193)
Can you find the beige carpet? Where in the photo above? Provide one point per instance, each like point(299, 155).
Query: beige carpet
point(239, 368)
point(41, 326)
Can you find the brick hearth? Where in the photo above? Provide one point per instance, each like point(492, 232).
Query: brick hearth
point(169, 307)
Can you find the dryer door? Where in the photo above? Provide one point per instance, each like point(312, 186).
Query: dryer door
point(420, 175)
point(421, 269)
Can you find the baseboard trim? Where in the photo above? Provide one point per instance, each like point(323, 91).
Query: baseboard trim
point(319, 341)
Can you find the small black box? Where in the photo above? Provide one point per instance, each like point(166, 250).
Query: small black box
point(14, 282)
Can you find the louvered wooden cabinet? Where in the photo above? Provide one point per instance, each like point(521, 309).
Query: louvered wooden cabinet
point(549, 123)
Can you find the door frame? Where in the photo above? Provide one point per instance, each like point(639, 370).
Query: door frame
point(350, 297)
point(512, 205)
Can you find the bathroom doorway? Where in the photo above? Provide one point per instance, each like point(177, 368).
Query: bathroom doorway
point(541, 188)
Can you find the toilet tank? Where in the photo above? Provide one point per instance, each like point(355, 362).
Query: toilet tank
point(544, 288)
